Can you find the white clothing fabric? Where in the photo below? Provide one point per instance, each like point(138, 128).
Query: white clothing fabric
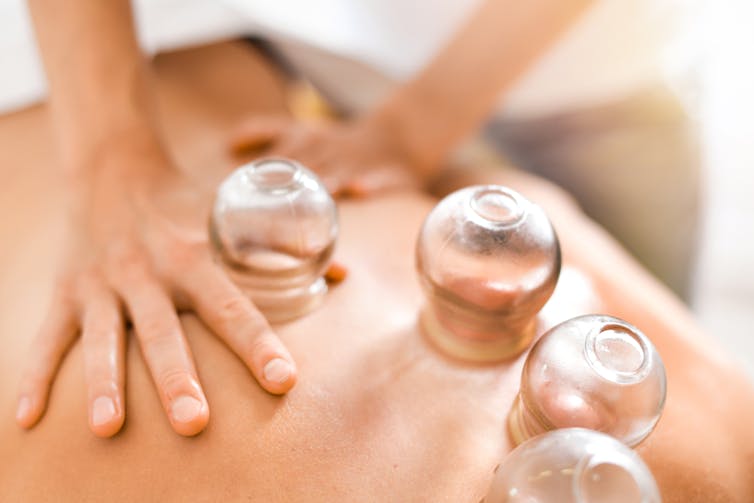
point(162, 25)
point(356, 50)
point(611, 52)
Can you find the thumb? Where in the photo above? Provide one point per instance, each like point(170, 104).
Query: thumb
point(383, 178)
point(257, 133)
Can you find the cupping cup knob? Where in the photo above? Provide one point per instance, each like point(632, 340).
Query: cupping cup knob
point(273, 227)
point(573, 465)
point(488, 260)
point(595, 372)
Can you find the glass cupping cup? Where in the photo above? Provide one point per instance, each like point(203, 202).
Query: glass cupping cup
point(488, 260)
point(595, 372)
point(573, 465)
point(273, 227)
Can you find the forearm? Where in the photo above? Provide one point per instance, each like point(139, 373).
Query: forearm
point(98, 79)
point(451, 96)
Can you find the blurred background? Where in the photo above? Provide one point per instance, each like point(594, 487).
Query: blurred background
point(724, 291)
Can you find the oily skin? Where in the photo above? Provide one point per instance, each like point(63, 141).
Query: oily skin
point(134, 250)
point(378, 414)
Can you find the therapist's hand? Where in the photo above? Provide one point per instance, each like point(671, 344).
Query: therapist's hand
point(138, 252)
point(355, 158)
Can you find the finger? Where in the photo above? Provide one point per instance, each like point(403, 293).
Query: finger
point(301, 143)
point(104, 350)
point(376, 180)
point(56, 335)
point(335, 181)
point(232, 316)
point(338, 177)
point(346, 186)
point(309, 156)
point(257, 133)
point(167, 354)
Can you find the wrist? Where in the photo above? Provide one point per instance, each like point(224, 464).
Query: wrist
point(398, 127)
point(121, 148)
point(131, 161)
point(99, 104)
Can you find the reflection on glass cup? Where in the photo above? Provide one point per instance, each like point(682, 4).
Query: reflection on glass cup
point(488, 261)
point(273, 227)
point(595, 372)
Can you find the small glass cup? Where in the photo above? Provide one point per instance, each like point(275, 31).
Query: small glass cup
point(595, 372)
point(488, 260)
point(273, 228)
point(573, 465)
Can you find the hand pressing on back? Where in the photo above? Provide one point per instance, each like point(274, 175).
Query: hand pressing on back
point(137, 254)
point(353, 158)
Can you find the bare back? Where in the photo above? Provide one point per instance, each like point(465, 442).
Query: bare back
point(377, 415)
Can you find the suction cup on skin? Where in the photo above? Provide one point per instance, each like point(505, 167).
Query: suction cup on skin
point(488, 260)
point(273, 228)
point(595, 372)
point(573, 465)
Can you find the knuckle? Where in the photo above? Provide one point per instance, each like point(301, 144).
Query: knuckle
point(99, 339)
point(155, 331)
point(100, 371)
point(89, 276)
point(235, 308)
point(128, 263)
point(36, 377)
point(65, 291)
point(127, 256)
point(181, 256)
point(253, 325)
point(257, 325)
point(263, 343)
point(91, 284)
point(174, 378)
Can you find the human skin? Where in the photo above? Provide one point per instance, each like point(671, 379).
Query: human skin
point(378, 414)
point(407, 136)
point(130, 252)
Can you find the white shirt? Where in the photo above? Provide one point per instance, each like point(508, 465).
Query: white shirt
point(357, 50)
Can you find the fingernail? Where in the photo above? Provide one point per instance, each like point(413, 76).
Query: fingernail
point(103, 410)
point(24, 407)
point(277, 370)
point(185, 408)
